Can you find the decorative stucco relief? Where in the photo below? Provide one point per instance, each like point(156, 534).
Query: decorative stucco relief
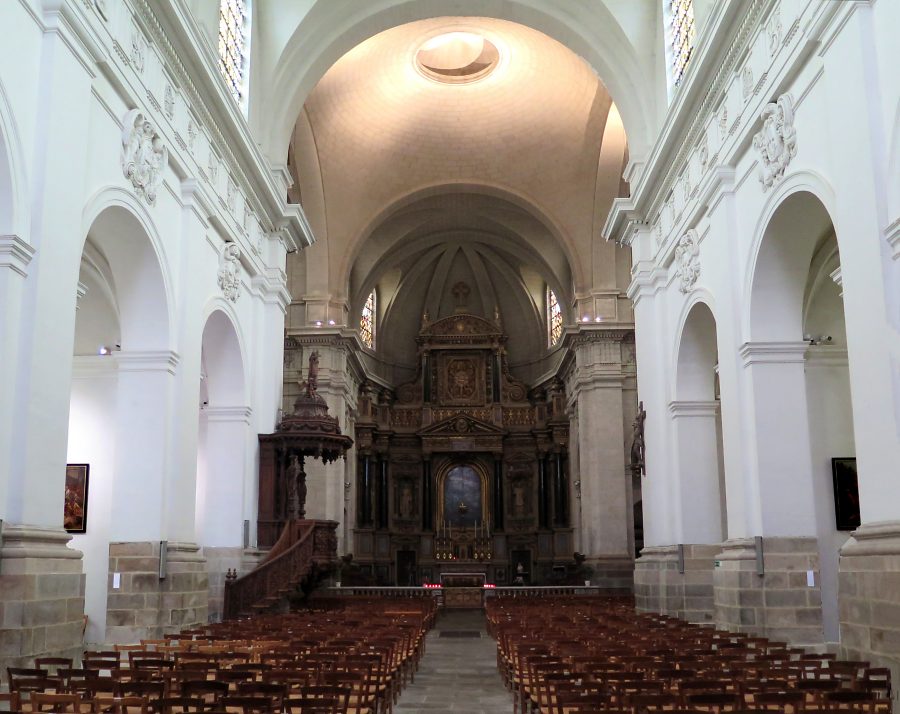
point(229, 271)
point(776, 142)
point(169, 101)
point(144, 156)
point(138, 55)
point(687, 260)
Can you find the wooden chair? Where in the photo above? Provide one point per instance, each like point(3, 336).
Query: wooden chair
point(120, 705)
point(48, 702)
point(12, 700)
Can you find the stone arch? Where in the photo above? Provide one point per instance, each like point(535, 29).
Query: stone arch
point(224, 433)
point(697, 429)
point(777, 269)
point(119, 418)
point(591, 33)
point(576, 266)
point(120, 226)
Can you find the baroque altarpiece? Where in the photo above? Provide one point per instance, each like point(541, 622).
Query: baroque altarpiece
point(462, 469)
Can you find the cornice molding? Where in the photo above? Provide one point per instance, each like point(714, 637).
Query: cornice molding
point(237, 414)
point(773, 352)
point(15, 254)
point(705, 409)
point(147, 361)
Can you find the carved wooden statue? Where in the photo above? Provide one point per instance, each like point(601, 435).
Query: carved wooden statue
point(637, 444)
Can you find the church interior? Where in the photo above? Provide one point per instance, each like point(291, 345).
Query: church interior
point(560, 336)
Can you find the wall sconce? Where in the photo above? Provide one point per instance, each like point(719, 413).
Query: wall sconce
point(578, 489)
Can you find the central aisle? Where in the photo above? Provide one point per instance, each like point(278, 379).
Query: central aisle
point(459, 670)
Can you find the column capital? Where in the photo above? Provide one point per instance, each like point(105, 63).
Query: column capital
point(786, 352)
point(15, 254)
point(708, 408)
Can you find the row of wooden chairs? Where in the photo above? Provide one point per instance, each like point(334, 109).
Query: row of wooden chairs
point(600, 655)
point(343, 657)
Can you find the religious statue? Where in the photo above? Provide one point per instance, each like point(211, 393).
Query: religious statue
point(296, 488)
point(518, 491)
point(637, 444)
point(406, 501)
point(312, 378)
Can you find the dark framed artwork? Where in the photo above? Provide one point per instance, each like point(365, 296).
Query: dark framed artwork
point(76, 504)
point(846, 493)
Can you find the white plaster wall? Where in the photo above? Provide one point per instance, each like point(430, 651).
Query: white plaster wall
point(842, 128)
point(67, 77)
point(91, 420)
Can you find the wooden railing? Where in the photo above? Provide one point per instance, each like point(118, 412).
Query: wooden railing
point(304, 549)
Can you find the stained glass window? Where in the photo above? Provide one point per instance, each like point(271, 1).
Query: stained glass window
point(554, 318)
point(367, 322)
point(233, 20)
point(681, 34)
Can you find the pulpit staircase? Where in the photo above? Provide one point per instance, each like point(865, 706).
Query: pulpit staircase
point(305, 552)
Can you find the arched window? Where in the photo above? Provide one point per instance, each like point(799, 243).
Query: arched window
point(680, 34)
point(554, 318)
point(234, 46)
point(367, 322)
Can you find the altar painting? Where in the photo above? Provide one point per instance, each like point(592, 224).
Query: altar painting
point(462, 497)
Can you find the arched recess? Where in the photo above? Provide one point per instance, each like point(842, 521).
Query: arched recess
point(224, 434)
point(331, 28)
point(799, 377)
point(119, 404)
point(697, 421)
point(522, 217)
point(421, 251)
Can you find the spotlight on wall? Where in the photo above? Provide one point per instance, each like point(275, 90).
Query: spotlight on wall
point(318, 323)
point(586, 318)
point(598, 319)
point(331, 322)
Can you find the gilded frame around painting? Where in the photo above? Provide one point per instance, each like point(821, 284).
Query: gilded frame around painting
point(76, 503)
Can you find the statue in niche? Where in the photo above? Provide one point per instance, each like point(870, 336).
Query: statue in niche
point(406, 501)
point(637, 444)
point(296, 488)
point(518, 499)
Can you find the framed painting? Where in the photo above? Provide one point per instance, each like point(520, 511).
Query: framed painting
point(76, 503)
point(846, 493)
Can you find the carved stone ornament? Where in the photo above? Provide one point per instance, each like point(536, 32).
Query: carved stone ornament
point(687, 260)
point(169, 101)
point(776, 142)
point(213, 165)
point(231, 193)
point(747, 81)
point(773, 32)
point(192, 135)
point(229, 271)
point(703, 153)
point(138, 55)
point(144, 156)
point(723, 122)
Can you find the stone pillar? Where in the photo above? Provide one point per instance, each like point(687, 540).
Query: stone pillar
point(780, 505)
point(780, 603)
point(144, 606)
point(221, 507)
point(676, 580)
point(15, 255)
point(41, 595)
point(699, 506)
point(869, 596)
point(595, 384)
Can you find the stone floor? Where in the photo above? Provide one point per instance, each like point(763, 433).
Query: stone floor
point(458, 672)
